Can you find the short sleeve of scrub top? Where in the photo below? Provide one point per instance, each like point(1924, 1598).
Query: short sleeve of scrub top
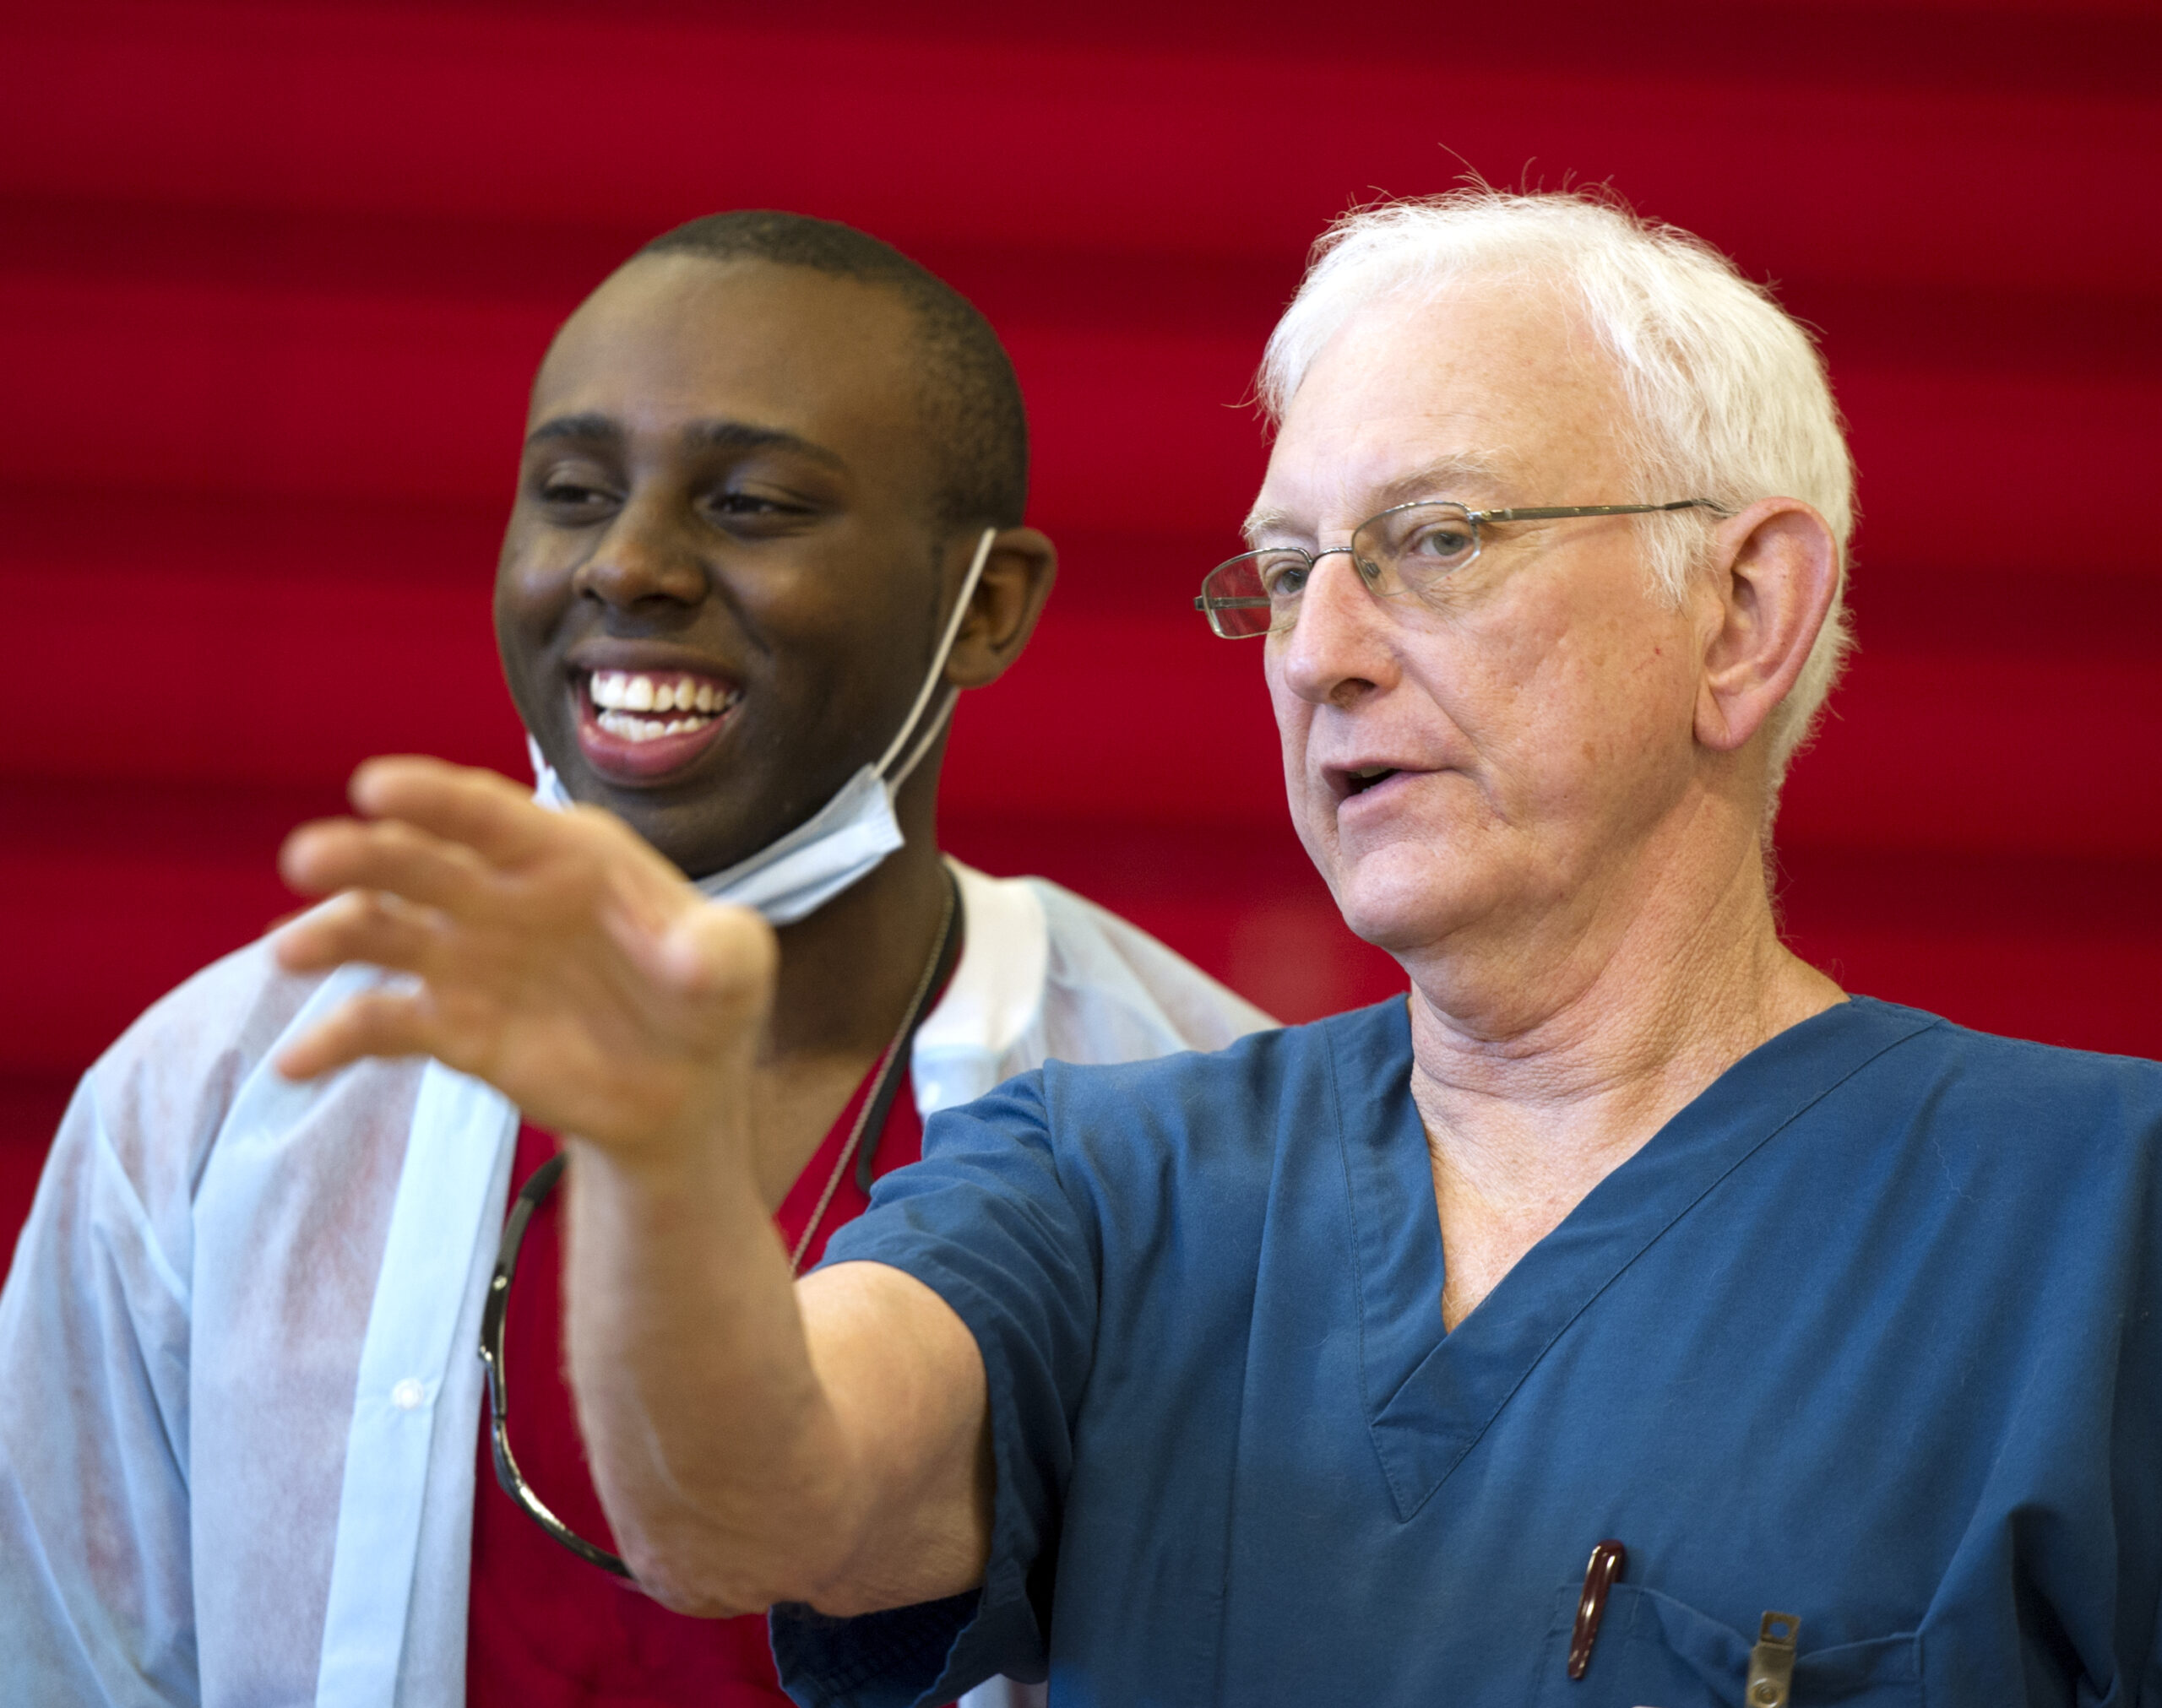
point(1022, 1277)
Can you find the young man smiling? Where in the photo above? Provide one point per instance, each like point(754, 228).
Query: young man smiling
point(768, 525)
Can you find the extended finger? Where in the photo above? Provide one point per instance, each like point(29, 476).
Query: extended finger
point(477, 809)
point(344, 854)
point(374, 1023)
point(360, 925)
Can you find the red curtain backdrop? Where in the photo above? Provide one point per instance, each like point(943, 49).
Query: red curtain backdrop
point(274, 278)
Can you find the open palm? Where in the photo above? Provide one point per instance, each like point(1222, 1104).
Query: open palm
point(554, 955)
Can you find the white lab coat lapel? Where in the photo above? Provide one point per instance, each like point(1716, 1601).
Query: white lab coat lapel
point(405, 1517)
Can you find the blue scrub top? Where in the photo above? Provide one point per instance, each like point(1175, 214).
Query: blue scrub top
point(1867, 1334)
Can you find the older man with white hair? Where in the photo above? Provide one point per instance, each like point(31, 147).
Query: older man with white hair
point(1315, 1369)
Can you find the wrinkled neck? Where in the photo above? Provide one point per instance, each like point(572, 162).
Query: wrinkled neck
point(1553, 1061)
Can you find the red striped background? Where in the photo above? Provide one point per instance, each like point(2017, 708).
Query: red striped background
point(273, 279)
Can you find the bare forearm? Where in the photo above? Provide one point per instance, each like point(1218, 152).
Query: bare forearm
point(713, 1445)
point(755, 1441)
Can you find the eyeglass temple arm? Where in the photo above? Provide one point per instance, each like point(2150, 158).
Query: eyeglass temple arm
point(513, 1483)
point(1547, 512)
point(1551, 512)
point(507, 1475)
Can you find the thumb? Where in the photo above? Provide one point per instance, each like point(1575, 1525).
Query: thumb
point(713, 952)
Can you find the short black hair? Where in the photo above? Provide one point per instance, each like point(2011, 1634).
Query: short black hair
point(970, 398)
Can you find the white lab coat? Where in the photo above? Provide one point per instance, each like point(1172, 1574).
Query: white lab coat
point(239, 1392)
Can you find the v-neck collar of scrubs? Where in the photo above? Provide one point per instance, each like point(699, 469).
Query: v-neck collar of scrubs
point(1430, 1396)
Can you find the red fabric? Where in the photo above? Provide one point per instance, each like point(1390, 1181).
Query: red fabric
point(546, 1629)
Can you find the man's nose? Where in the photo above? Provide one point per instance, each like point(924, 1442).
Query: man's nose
point(1338, 649)
point(645, 554)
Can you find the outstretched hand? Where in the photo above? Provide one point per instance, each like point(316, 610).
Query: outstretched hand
point(556, 956)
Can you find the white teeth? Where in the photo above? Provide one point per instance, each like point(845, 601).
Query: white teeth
point(628, 728)
point(623, 690)
point(618, 695)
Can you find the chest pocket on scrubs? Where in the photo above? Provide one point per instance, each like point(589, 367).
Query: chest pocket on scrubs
point(1654, 1652)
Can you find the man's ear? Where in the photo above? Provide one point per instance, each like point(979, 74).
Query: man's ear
point(1775, 574)
point(1009, 597)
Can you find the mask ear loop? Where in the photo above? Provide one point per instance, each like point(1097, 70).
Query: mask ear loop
point(938, 725)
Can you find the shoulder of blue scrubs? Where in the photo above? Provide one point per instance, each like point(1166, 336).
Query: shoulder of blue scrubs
point(2045, 1102)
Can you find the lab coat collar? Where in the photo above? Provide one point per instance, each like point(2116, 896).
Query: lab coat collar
point(995, 996)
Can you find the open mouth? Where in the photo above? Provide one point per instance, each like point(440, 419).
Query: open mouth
point(635, 725)
point(637, 707)
point(1359, 781)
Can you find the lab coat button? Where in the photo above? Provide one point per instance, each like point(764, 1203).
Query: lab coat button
point(408, 1394)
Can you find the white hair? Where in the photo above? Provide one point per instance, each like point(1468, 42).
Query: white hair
point(1728, 394)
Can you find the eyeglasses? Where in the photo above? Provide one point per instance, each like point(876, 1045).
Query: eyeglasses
point(1406, 549)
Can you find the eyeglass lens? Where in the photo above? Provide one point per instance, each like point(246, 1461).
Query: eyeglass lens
point(1405, 549)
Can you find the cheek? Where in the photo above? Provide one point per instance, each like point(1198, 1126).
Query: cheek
point(520, 621)
point(529, 602)
point(531, 591)
point(1617, 701)
point(524, 622)
point(1553, 700)
point(1295, 720)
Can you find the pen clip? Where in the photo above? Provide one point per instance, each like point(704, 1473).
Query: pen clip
point(1771, 1662)
point(1607, 1560)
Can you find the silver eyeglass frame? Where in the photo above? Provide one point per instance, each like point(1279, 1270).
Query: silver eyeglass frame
point(1210, 604)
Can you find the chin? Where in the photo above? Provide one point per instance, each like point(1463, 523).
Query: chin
point(1402, 898)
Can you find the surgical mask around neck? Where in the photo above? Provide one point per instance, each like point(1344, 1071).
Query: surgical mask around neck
point(791, 878)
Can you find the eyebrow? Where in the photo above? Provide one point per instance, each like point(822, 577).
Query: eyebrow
point(585, 426)
point(1441, 480)
point(720, 436)
point(742, 435)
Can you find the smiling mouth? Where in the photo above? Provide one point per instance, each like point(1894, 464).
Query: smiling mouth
point(640, 706)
